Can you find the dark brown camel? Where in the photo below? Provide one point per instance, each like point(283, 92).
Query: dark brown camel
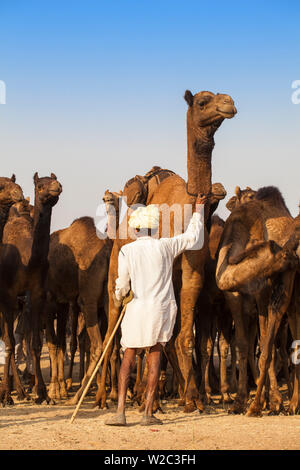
point(256, 257)
point(77, 277)
point(24, 265)
point(205, 114)
point(10, 193)
point(215, 316)
point(78, 268)
point(293, 313)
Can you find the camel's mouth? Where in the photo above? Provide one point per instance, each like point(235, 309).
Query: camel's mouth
point(54, 193)
point(227, 114)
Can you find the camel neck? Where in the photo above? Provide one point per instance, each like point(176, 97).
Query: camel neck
point(3, 219)
point(41, 233)
point(200, 144)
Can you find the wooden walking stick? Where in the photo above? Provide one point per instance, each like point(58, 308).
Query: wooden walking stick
point(126, 300)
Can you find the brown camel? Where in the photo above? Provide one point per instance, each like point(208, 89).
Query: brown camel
point(256, 257)
point(241, 196)
point(215, 316)
point(294, 324)
point(78, 268)
point(10, 193)
point(207, 312)
point(205, 114)
point(24, 268)
point(77, 277)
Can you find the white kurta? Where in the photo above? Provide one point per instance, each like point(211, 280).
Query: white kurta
point(146, 265)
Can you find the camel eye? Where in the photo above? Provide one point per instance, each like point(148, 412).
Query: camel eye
point(202, 104)
point(1, 188)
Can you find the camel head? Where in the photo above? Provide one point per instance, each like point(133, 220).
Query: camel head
point(20, 209)
point(218, 192)
point(135, 190)
point(47, 189)
point(111, 200)
point(241, 197)
point(10, 192)
point(207, 110)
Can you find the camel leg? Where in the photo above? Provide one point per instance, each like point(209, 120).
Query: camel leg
point(283, 340)
point(203, 327)
point(224, 324)
point(206, 344)
point(178, 380)
point(62, 317)
point(37, 302)
point(270, 394)
point(294, 324)
point(252, 328)
point(279, 302)
point(52, 348)
point(185, 340)
point(90, 311)
point(74, 325)
point(162, 385)
point(139, 370)
point(8, 337)
point(233, 361)
point(236, 303)
point(114, 313)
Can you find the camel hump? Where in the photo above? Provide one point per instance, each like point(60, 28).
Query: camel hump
point(272, 195)
point(84, 221)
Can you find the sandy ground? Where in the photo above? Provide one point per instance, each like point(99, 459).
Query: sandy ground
point(34, 427)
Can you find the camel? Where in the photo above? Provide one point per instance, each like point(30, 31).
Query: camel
point(241, 196)
point(293, 314)
point(212, 317)
point(256, 257)
point(206, 112)
point(77, 277)
point(23, 269)
point(216, 316)
point(78, 268)
point(212, 224)
point(10, 193)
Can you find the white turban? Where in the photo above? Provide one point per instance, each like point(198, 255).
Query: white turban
point(145, 217)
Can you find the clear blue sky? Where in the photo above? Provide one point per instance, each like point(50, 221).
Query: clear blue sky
point(95, 92)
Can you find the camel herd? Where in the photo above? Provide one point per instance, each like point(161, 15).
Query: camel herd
point(239, 293)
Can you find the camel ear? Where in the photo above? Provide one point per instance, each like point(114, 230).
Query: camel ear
point(53, 176)
point(13, 178)
point(189, 98)
point(231, 203)
point(35, 177)
point(27, 198)
point(238, 192)
point(248, 188)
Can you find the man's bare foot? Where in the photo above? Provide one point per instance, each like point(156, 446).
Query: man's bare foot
point(116, 420)
point(150, 421)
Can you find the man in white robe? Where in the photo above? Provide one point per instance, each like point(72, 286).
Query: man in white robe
point(145, 267)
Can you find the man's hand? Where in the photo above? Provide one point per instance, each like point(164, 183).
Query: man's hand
point(201, 199)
